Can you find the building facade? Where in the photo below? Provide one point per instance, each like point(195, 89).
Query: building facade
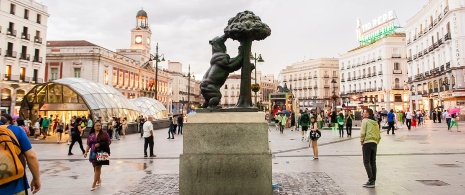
point(376, 74)
point(128, 70)
point(23, 30)
point(185, 90)
point(435, 52)
point(313, 82)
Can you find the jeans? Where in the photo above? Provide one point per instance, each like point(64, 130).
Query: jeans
point(349, 129)
point(369, 160)
point(391, 126)
point(408, 122)
point(448, 123)
point(44, 131)
point(115, 133)
point(148, 141)
point(341, 130)
point(281, 128)
point(180, 129)
point(170, 132)
point(76, 137)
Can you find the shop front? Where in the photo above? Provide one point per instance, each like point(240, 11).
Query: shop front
point(65, 98)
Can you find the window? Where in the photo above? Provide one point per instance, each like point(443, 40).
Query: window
point(77, 72)
point(396, 66)
point(22, 74)
point(105, 77)
point(39, 18)
point(54, 74)
point(397, 98)
point(225, 86)
point(334, 74)
point(26, 14)
point(396, 83)
point(12, 8)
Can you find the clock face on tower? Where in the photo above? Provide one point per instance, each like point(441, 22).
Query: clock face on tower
point(138, 39)
point(148, 41)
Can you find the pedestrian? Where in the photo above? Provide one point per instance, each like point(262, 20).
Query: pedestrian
point(45, 124)
point(124, 125)
point(282, 122)
point(115, 125)
point(400, 119)
point(37, 129)
point(90, 123)
point(391, 118)
point(439, 115)
point(408, 119)
point(98, 143)
point(315, 134)
point(180, 124)
point(304, 122)
point(170, 129)
point(369, 139)
point(340, 124)
point(448, 117)
point(76, 132)
point(23, 126)
point(175, 123)
point(414, 119)
point(319, 119)
point(148, 136)
point(434, 116)
point(292, 121)
point(59, 130)
point(55, 123)
point(141, 125)
point(16, 183)
point(453, 122)
point(349, 119)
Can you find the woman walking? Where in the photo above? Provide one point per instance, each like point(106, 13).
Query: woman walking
point(76, 136)
point(453, 122)
point(170, 129)
point(349, 119)
point(97, 142)
point(340, 123)
point(125, 126)
point(37, 129)
point(59, 130)
point(315, 134)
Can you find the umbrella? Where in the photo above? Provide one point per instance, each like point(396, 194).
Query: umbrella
point(454, 110)
point(287, 113)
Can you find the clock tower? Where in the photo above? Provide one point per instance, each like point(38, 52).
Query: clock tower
point(141, 35)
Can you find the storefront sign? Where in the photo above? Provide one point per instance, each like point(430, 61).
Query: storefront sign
point(376, 29)
point(64, 107)
point(349, 108)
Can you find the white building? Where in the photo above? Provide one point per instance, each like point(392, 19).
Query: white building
point(311, 82)
point(23, 29)
point(376, 73)
point(435, 51)
point(127, 70)
point(185, 90)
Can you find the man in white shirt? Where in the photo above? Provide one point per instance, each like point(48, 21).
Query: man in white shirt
point(148, 136)
point(447, 116)
point(408, 117)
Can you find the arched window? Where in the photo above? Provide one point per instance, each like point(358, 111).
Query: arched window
point(396, 83)
point(396, 66)
point(6, 94)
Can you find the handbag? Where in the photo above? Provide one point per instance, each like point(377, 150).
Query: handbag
point(103, 158)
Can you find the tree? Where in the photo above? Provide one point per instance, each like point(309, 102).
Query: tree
point(246, 27)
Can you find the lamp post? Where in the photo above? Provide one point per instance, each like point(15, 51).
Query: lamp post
point(334, 93)
point(157, 59)
point(259, 59)
point(188, 89)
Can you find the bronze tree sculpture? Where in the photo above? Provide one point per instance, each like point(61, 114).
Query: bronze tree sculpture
point(246, 27)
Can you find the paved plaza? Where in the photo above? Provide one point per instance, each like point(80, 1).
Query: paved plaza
point(425, 160)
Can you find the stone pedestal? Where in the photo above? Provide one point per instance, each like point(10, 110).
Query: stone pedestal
point(225, 153)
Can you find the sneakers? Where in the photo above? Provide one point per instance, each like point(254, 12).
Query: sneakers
point(369, 185)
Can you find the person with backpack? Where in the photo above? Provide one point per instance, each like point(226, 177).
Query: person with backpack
point(15, 152)
point(369, 139)
point(304, 122)
point(391, 117)
point(349, 119)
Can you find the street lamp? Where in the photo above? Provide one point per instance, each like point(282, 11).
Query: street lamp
point(334, 93)
point(157, 59)
point(256, 87)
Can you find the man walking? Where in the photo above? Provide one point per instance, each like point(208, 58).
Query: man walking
point(45, 125)
point(148, 136)
point(369, 139)
point(391, 119)
point(439, 116)
point(447, 116)
point(20, 186)
point(408, 121)
point(180, 124)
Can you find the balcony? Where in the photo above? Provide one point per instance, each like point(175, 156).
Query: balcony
point(343, 80)
point(37, 59)
point(326, 86)
point(10, 53)
point(447, 37)
point(11, 32)
point(447, 65)
point(431, 48)
point(408, 42)
point(425, 51)
point(417, 77)
point(427, 74)
point(409, 59)
point(23, 56)
point(349, 79)
point(430, 26)
point(397, 87)
point(326, 76)
point(359, 77)
point(409, 79)
point(442, 68)
point(436, 70)
point(364, 76)
point(314, 76)
point(37, 40)
point(420, 92)
point(425, 30)
point(439, 17)
point(440, 42)
point(342, 68)
point(379, 58)
point(420, 54)
point(435, 22)
point(414, 37)
point(25, 36)
point(373, 74)
point(420, 34)
point(315, 86)
point(436, 45)
point(380, 72)
point(396, 56)
point(446, 9)
point(397, 72)
point(335, 76)
point(415, 56)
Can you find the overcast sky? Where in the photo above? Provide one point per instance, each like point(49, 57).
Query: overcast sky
point(300, 29)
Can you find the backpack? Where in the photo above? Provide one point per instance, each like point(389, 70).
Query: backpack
point(305, 118)
point(11, 159)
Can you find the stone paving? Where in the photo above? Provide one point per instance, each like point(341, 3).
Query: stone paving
point(288, 183)
point(425, 160)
